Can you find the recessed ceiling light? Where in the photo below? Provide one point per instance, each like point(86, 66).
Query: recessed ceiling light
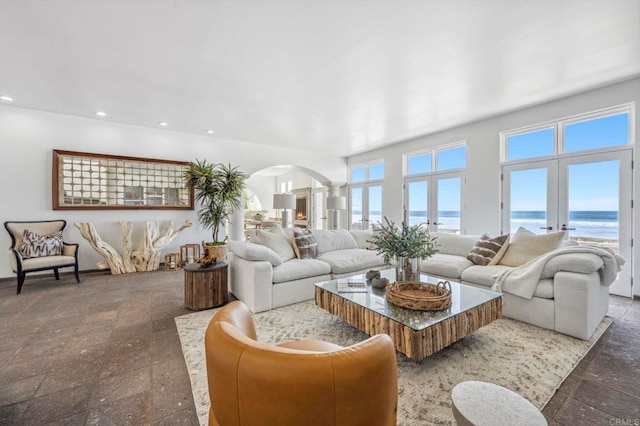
point(209, 131)
point(6, 98)
point(163, 123)
point(101, 113)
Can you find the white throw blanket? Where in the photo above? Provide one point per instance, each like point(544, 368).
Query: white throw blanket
point(523, 280)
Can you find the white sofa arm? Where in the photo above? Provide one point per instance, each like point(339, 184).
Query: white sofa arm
point(252, 282)
point(580, 303)
point(580, 263)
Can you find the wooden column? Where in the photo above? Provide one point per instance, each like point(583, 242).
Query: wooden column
point(205, 287)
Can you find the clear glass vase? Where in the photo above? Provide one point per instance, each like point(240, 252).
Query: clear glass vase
point(408, 269)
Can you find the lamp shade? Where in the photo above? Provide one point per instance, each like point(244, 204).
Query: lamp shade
point(284, 201)
point(336, 202)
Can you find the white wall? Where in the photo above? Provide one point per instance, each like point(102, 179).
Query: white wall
point(264, 187)
point(482, 190)
point(28, 136)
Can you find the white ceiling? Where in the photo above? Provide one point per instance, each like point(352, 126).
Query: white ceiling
point(337, 77)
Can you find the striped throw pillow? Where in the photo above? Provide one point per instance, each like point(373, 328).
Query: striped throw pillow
point(487, 250)
point(306, 244)
point(34, 245)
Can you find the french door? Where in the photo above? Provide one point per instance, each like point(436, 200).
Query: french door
point(435, 201)
point(365, 205)
point(587, 196)
point(319, 217)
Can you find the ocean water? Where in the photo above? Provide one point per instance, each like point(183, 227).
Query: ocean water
point(595, 224)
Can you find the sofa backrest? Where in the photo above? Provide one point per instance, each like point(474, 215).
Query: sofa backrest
point(362, 237)
point(334, 239)
point(459, 245)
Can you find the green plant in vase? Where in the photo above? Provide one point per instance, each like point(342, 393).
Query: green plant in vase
point(405, 245)
point(219, 192)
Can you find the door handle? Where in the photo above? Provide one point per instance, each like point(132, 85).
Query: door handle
point(436, 223)
point(548, 228)
point(564, 228)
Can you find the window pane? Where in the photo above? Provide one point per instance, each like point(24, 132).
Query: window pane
point(417, 164)
point(529, 200)
point(357, 174)
point(418, 200)
point(529, 145)
point(356, 208)
point(376, 171)
point(449, 205)
point(451, 158)
point(597, 133)
point(375, 205)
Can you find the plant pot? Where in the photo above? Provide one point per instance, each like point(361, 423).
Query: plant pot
point(408, 269)
point(217, 250)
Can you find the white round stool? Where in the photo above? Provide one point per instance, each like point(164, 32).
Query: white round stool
point(481, 403)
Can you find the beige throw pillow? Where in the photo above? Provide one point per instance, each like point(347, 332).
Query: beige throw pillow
point(486, 249)
point(525, 246)
point(277, 241)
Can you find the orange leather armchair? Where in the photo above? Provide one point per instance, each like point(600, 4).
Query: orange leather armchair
point(307, 382)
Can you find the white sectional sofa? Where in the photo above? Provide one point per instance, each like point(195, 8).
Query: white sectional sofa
point(569, 295)
point(263, 281)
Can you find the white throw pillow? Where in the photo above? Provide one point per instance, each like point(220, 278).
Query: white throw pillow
point(525, 246)
point(252, 251)
point(277, 241)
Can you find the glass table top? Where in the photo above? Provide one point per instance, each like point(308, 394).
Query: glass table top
point(463, 298)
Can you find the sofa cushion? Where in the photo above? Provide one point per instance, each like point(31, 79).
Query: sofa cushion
point(544, 289)
point(251, 251)
point(459, 245)
point(35, 245)
point(350, 260)
point(445, 265)
point(525, 246)
point(277, 241)
point(487, 250)
point(483, 275)
point(297, 269)
point(306, 246)
point(334, 239)
point(47, 262)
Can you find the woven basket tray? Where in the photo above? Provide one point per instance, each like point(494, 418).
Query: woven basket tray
point(420, 296)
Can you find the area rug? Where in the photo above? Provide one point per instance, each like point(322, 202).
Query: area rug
point(526, 359)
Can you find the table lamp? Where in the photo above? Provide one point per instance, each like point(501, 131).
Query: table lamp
point(335, 203)
point(284, 202)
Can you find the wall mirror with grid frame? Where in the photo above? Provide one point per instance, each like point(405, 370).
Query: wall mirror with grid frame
point(87, 181)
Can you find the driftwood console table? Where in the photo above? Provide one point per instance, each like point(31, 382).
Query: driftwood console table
point(205, 287)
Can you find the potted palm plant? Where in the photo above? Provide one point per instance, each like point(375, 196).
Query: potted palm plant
point(405, 245)
point(219, 192)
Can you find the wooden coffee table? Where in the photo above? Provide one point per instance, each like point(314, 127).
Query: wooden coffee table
point(417, 334)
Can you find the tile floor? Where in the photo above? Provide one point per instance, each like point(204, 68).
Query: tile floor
point(107, 351)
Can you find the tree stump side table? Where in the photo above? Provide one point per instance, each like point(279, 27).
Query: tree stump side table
point(205, 287)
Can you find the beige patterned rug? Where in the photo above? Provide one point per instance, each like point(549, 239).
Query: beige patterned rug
point(528, 360)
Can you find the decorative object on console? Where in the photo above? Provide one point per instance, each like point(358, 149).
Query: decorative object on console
point(406, 245)
point(145, 258)
point(117, 182)
point(171, 261)
point(189, 253)
point(372, 274)
point(285, 202)
point(420, 296)
point(335, 203)
point(380, 282)
point(211, 254)
point(219, 190)
point(489, 251)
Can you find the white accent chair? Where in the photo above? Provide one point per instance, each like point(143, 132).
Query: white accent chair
point(19, 265)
